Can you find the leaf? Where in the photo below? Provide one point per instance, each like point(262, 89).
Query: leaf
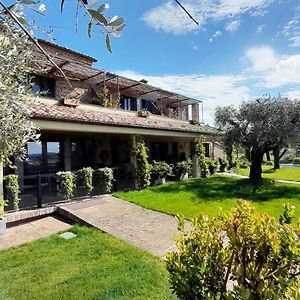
point(62, 5)
point(85, 2)
point(90, 29)
point(121, 27)
point(93, 2)
point(98, 16)
point(117, 22)
point(108, 44)
point(28, 2)
point(102, 8)
point(22, 21)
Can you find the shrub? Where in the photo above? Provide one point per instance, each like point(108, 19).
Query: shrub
point(223, 164)
point(160, 169)
point(104, 177)
point(3, 203)
point(213, 166)
point(243, 163)
point(269, 163)
point(199, 149)
point(66, 184)
point(12, 190)
point(84, 180)
point(181, 168)
point(296, 160)
point(142, 169)
point(240, 255)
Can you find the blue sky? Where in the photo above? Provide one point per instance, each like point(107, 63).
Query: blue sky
point(241, 49)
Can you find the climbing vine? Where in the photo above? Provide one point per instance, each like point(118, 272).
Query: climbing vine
point(84, 180)
point(199, 150)
point(12, 190)
point(104, 177)
point(142, 169)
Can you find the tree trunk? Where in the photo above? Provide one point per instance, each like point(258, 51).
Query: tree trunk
point(276, 153)
point(255, 168)
point(268, 156)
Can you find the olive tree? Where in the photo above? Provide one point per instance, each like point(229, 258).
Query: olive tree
point(261, 125)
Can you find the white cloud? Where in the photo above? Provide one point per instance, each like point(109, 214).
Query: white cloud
point(215, 35)
point(261, 58)
point(170, 18)
point(233, 26)
point(272, 69)
point(294, 94)
point(214, 90)
point(291, 30)
point(295, 40)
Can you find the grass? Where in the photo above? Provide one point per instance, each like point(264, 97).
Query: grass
point(195, 196)
point(284, 173)
point(93, 265)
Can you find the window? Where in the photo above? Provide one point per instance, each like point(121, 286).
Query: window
point(44, 157)
point(148, 105)
point(207, 152)
point(43, 86)
point(128, 103)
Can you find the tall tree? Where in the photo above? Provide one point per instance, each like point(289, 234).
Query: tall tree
point(261, 125)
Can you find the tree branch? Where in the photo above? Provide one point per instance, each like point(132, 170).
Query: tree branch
point(186, 11)
point(35, 42)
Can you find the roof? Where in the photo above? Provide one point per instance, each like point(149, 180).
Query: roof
point(104, 116)
point(42, 41)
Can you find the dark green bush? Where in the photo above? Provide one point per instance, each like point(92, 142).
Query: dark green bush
point(296, 160)
point(66, 184)
point(181, 168)
point(223, 164)
point(103, 179)
point(241, 255)
point(243, 163)
point(213, 166)
point(199, 149)
point(269, 163)
point(160, 169)
point(84, 180)
point(12, 190)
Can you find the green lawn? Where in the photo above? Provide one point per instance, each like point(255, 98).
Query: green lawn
point(93, 265)
point(196, 196)
point(284, 173)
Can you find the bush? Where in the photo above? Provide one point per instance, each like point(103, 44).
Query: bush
point(84, 180)
point(296, 160)
point(223, 164)
point(213, 166)
point(142, 169)
point(12, 190)
point(3, 203)
point(243, 163)
point(104, 178)
point(160, 169)
point(66, 184)
point(269, 163)
point(240, 255)
point(181, 168)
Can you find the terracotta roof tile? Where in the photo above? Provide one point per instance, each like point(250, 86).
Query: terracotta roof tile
point(111, 117)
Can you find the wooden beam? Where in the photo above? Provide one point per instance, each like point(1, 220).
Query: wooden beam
point(145, 93)
point(105, 80)
point(130, 86)
point(87, 78)
point(53, 69)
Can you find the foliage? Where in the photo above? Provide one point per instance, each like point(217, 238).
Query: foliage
point(269, 163)
point(243, 163)
point(296, 160)
point(262, 125)
point(199, 150)
point(3, 203)
point(12, 190)
point(208, 195)
point(223, 164)
point(15, 96)
point(104, 177)
point(111, 26)
point(66, 184)
point(84, 180)
point(256, 253)
point(181, 168)
point(142, 169)
point(213, 166)
point(113, 269)
point(160, 169)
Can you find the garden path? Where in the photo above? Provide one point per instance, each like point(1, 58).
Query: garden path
point(147, 229)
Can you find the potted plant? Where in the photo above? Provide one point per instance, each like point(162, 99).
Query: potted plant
point(144, 113)
point(182, 170)
point(160, 170)
point(3, 203)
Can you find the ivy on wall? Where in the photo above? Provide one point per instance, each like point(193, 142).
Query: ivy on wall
point(199, 150)
point(142, 168)
point(104, 177)
point(66, 184)
point(84, 180)
point(12, 190)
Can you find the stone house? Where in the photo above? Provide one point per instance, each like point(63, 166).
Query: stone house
point(90, 123)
